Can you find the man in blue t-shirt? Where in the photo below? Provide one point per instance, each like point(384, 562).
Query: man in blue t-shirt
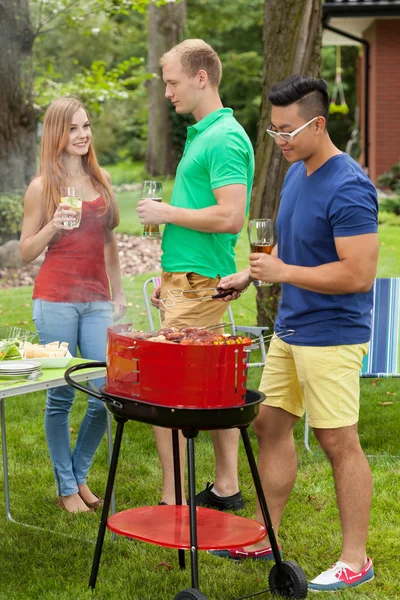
point(325, 259)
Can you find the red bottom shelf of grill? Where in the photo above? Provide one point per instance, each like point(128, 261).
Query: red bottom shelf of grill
point(169, 526)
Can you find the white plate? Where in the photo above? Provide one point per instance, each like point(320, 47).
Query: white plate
point(54, 363)
point(17, 373)
point(12, 366)
point(15, 376)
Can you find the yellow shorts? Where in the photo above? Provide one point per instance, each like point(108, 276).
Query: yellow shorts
point(187, 310)
point(322, 380)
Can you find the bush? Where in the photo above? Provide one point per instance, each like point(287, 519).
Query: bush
point(390, 205)
point(126, 171)
point(391, 179)
point(120, 131)
point(388, 218)
point(11, 214)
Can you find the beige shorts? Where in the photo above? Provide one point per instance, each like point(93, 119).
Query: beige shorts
point(322, 380)
point(187, 310)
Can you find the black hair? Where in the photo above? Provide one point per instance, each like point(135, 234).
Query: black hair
point(310, 93)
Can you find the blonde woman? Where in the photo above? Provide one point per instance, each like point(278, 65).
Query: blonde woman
point(77, 293)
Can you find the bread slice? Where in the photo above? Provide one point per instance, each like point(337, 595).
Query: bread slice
point(51, 350)
point(28, 352)
point(39, 352)
point(52, 345)
point(27, 347)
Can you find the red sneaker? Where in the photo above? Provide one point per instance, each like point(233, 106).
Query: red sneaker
point(242, 553)
point(340, 577)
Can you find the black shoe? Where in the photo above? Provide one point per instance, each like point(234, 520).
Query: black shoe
point(208, 498)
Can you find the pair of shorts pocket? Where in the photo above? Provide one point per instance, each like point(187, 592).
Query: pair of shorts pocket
point(197, 283)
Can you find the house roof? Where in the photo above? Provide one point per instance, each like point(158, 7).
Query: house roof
point(354, 17)
point(360, 8)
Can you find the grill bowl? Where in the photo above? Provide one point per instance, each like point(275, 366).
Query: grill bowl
point(175, 375)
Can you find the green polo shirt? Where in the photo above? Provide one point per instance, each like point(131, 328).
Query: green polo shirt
point(218, 152)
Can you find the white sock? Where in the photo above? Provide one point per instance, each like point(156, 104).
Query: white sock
point(214, 491)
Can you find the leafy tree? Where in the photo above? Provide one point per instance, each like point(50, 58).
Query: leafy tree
point(226, 25)
point(165, 30)
point(238, 41)
point(94, 86)
point(66, 61)
point(18, 118)
point(241, 88)
point(22, 23)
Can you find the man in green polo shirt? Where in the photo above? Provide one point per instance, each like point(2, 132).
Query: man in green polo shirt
point(210, 200)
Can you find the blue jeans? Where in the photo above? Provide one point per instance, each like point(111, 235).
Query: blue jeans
point(83, 325)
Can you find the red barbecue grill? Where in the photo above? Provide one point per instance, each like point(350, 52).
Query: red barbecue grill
point(203, 376)
point(190, 388)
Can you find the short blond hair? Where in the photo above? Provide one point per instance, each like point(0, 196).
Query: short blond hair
point(195, 55)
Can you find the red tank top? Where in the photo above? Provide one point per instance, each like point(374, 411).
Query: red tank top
point(74, 269)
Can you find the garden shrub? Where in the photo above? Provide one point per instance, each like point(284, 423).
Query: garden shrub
point(390, 205)
point(11, 214)
point(388, 218)
point(391, 179)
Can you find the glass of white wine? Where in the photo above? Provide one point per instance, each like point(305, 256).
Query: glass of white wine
point(152, 190)
point(261, 238)
point(72, 196)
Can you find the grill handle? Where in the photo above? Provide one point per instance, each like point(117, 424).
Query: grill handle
point(78, 386)
point(92, 392)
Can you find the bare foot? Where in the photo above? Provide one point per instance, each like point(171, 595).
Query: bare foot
point(86, 495)
point(73, 504)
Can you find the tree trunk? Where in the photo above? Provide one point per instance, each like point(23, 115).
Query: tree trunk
point(165, 28)
point(292, 45)
point(18, 119)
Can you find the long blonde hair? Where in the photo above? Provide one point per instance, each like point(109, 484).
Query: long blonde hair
point(55, 136)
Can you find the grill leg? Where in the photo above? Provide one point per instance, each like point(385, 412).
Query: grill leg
point(107, 502)
point(260, 496)
point(178, 484)
point(190, 435)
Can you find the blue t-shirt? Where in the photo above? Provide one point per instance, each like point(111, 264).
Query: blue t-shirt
point(337, 200)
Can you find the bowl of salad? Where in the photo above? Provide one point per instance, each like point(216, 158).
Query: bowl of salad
point(12, 340)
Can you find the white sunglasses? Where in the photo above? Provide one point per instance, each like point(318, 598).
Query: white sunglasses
point(288, 137)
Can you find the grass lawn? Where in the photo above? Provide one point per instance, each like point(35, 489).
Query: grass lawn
point(56, 564)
